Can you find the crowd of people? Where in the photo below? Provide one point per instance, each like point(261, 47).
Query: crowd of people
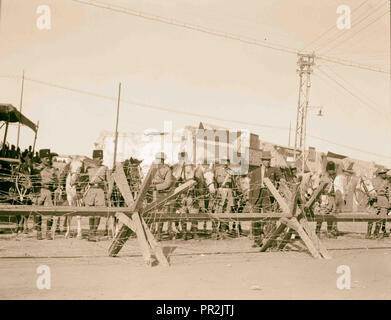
point(13, 152)
point(223, 192)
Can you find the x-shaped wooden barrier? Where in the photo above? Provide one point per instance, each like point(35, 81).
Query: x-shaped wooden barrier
point(296, 221)
point(135, 222)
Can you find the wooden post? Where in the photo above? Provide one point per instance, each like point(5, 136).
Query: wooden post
point(20, 110)
point(116, 127)
point(35, 138)
point(295, 225)
point(5, 134)
point(281, 201)
point(122, 183)
point(124, 234)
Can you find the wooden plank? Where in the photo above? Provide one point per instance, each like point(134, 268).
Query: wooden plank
point(123, 218)
point(294, 224)
point(122, 184)
point(281, 201)
point(273, 237)
point(124, 235)
point(314, 238)
point(142, 239)
point(315, 195)
point(182, 188)
point(157, 249)
point(286, 239)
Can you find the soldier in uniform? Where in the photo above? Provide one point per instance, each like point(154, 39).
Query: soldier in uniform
point(329, 195)
point(161, 182)
point(224, 185)
point(48, 183)
point(182, 172)
point(381, 203)
point(98, 175)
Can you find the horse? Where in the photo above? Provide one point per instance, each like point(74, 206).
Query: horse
point(76, 179)
point(23, 189)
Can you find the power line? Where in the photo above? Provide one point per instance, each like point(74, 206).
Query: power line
point(343, 41)
point(222, 34)
point(332, 27)
point(362, 18)
point(352, 93)
point(347, 82)
point(166, 109)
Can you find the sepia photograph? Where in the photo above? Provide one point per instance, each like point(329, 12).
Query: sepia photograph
point(195, 150)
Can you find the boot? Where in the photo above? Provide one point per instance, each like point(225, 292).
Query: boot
point(369, 231)
point(39, 235)
point(91, 236)
point(318, 227)
point(377, 229)
point(49, 235)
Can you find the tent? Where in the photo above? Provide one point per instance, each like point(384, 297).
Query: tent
point(9, 113)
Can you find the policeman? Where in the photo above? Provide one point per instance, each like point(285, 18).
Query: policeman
point(329, 192)
point(381, 203)
point(98, 176)
point(48, 183)
point(224, 185)
point(161, 182)
point(184, 171)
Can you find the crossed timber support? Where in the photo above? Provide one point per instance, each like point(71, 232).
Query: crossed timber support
point(295, 221)
point(134, 222)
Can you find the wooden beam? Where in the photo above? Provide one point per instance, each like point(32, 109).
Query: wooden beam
point(170, 196)
point(281, 201)
point(315, 195)
point(157, 249)
point(25, 210)
point(123, 218)
point(295, 225)
point(122, 184)
point(269, 242)
point(124, 235)
point(142, 239)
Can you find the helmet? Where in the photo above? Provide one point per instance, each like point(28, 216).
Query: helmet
point(330, 166)
point(44, 153)
point(97, 154)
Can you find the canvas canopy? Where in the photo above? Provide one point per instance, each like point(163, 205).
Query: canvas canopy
point(9, 113)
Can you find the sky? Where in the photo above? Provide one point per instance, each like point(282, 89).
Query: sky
point(92, 50)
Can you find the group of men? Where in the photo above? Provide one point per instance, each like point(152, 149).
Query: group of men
point(50, 184)
point(167, 177)
point(339, 191)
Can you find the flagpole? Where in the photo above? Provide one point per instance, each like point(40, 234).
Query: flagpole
point(116, 127)
point(20, 110)
point(35, 138)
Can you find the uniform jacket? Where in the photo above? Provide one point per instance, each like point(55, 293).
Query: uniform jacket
point(163, 178)
point(98, 175)
point(48, 176)
point(223, 176)
point(183, 172)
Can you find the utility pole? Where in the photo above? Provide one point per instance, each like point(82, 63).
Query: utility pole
point(20, 109)
point(116, 127)
point(305, 63)
point(290, 129)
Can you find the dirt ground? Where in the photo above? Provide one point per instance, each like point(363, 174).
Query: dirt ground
point(200, 269)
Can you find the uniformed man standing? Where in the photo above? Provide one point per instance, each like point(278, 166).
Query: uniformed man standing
point(381, 203)
point(161, 182)
point(184, 171)
point(48, 183)
point(97, 185)
point(224, 187)
point(330, 199)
